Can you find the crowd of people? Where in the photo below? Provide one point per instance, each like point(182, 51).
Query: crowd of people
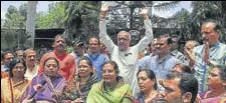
point(116, 73)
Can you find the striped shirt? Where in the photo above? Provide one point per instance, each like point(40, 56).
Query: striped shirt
point(217, 56)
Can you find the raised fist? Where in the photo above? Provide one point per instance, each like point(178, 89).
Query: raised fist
point(104, 8)
point(144, 11)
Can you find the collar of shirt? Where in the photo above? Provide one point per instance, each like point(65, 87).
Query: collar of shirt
point(60, 57)
point(215, 46)
point(94, 57)
point(163, 59)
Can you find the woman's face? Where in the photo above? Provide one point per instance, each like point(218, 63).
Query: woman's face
point(144, 82)
point(84, 68)
point(109, 74)
point(214, 78)
point(18, 70)
point(51, 68)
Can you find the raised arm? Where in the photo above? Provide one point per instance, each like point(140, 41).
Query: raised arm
point(103, 31)
point(148, 31)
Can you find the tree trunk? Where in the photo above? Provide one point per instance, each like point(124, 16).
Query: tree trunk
point(30, 23)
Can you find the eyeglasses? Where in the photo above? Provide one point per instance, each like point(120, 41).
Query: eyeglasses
point(123, 39)
point(51, 66)
point(10, 58)
point(19, 67)
point(207, 33)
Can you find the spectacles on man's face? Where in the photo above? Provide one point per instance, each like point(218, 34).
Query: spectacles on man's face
point(207, 33)
point(11, 58)
point(123, 39)
point(51, 66)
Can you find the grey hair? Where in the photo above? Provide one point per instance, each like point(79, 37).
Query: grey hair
point(121, 32)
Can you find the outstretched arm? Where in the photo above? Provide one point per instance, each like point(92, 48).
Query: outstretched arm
point(103, 31)
point(148, 31)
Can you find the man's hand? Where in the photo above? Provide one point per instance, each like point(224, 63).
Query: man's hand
point(103, 10)
point(191, 56)
point(144, 12)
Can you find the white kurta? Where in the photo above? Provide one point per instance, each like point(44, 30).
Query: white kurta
point(127, 60)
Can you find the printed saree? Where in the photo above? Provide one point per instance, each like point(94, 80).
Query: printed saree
point(11, 93)
point(52, 88)
point(78, 90)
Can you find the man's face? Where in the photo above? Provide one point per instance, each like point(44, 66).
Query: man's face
point(8, 58)
point(153, 47)
point(59, 44)
point(162, 46)
point(172, 92)
point(19, 54)
point(175, 45)
point(102, 46)
point(93, 46)
point(30, 57)
point(78, 50)
point(189, 46)
point(123, 41)
point(209, 34)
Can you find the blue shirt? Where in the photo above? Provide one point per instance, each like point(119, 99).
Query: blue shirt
point(161, 69)
point(217, 56)
point(98, 60)
point(4, 68)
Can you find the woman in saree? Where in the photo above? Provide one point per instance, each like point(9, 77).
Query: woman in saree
point(49, 85)
point(217, 86)
point(13, 86)
point(148, 85)
point(79, 88)
point(111, 89)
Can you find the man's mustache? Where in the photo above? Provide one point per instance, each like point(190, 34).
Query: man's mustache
point(60, 45)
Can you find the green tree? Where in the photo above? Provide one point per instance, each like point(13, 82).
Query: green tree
point(15, 19)
point(54, 18)
point(203, 10)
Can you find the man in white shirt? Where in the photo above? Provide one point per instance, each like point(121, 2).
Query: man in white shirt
point(125, 56)
point(32, 67)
